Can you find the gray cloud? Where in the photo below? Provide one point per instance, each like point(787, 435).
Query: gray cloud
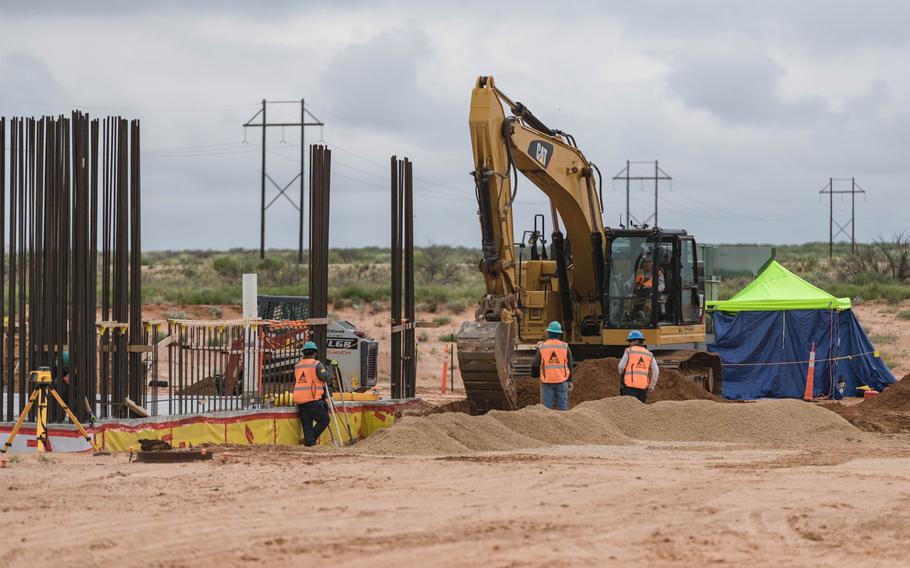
point(751, 107)
point(30, 77)
point(740, 84)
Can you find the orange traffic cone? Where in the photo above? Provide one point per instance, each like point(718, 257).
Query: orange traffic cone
point(810, 376)
point(445, 370)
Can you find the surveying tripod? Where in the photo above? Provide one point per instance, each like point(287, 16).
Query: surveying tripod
point(43, 387)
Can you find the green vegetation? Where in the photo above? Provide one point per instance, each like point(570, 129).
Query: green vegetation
point(876, 271)
point(904, 315)
point(446, 278)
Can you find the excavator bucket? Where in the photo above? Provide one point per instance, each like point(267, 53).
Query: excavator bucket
point(700, 364)
point(485, 353)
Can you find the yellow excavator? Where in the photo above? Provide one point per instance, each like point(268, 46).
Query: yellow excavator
point(599, 282)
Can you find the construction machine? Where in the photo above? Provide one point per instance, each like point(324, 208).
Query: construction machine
point(599, 282)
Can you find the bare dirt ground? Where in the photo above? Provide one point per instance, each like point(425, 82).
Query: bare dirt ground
point(888, 331)
point(646, 504)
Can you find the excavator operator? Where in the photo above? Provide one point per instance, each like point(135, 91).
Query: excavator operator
point(644, 284)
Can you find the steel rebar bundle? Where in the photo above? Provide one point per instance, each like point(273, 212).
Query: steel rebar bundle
point(60, 169)
point(404, 345)
point(320, 176)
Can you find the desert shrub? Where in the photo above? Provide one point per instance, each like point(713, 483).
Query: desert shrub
point(228, 267)
point(888, 258)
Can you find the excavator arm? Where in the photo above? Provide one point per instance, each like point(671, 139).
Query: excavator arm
point(551, 161)
point(502, 146)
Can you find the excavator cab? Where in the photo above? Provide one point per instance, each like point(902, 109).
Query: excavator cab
point(652, 279)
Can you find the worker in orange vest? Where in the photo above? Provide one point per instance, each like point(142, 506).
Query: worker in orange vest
point(638, 370)
point(553, 366)
point(310, 378)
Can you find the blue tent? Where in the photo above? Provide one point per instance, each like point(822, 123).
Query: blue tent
point(764, 334)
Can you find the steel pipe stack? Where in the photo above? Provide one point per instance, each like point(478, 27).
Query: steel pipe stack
point(404, 345)
point(59, 170)
point(320, 178)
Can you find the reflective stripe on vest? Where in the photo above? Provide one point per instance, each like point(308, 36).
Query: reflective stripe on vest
point(554, 361)
point(307, 386)
point(637, 374)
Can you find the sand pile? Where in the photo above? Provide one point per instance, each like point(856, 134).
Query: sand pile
point(765, 422)
point(613, 421)
point(895, 398)
point(459, 433)
point(595, 379)
point(888, 412)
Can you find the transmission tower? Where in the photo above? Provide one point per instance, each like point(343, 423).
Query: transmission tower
point(841, 228)
point(626, 174)
point(282, 190)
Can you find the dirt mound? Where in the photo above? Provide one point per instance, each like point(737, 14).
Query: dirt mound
point(762, 423)
point(613, 421)
point(894, 398)
point(888, 412)
point(458, 433)
point(595, 379)
point(454, 406)
point(203, 387)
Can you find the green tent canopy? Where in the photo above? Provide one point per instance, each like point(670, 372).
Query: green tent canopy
point(776, 288)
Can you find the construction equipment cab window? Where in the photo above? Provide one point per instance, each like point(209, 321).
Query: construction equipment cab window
point(652, 279)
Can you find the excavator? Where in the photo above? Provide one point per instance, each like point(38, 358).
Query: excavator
point(599, 282)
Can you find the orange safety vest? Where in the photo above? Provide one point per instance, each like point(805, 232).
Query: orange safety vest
point(637, 374)
point(307, 386)
point(644, 281)
point(554, 361)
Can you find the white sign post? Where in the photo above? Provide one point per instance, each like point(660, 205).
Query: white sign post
point(251, 345)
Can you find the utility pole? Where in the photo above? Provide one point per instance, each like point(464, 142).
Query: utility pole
point(626, 174)
point(264, 124)
point(841, 228)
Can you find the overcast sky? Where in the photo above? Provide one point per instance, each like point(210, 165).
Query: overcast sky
point(750, 106)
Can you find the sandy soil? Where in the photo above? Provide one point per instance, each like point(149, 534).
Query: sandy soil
point(430, 350)
point(646, 504)
point(889, 333)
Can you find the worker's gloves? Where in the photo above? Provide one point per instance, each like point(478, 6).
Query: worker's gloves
point(570, 386)
point(651, 387)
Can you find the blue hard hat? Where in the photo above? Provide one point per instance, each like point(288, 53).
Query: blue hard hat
point(635, 334)
point(310, 346)
point(554, 327)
